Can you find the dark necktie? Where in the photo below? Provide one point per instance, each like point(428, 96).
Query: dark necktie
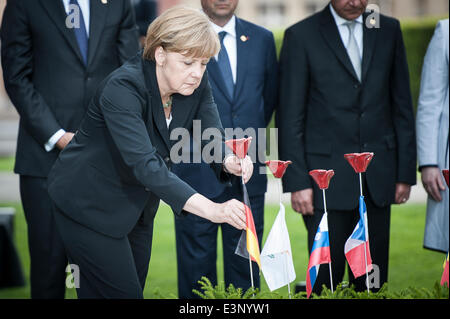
point(81, 34)
point(225, 67)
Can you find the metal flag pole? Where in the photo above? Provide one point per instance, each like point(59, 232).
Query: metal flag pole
point(286, 253)
point(329, 264)
point(249, 257)
point(365, 231)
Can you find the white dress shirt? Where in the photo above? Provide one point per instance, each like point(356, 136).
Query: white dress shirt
point(344, 32)
point(230, 43)
point(168, 120)
point(85, 9)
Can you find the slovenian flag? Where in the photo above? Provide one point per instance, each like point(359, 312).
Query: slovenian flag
point(320, 253)
point(249, 238)
point(359, 262)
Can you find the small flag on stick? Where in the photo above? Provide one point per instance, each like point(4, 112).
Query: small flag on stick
point(320, 254)
point(248, 245)
point(277, 264)
point(320, 251)
point(356, 249)
point(444, 278)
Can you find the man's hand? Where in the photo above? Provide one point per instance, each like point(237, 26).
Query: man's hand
point(302, 201)
point(64, 140)
point(233, 166)
point(432, 182)
point(402, 192)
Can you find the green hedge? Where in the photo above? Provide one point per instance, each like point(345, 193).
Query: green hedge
point(343, 291)
point(416, 34)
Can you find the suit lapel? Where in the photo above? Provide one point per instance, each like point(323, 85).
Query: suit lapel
point(369, 40)
point(216, 76)
point(331, 34)
point(182, 107)
point(243, 50)
point(156, 114)
point(159, 118)
point(56, 12)
point(98, 13)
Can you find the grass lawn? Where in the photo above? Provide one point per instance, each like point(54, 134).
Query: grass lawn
point(7, 164)
point(410, 264)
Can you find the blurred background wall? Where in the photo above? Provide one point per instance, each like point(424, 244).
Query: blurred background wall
point(282, 13)
point(279, 14)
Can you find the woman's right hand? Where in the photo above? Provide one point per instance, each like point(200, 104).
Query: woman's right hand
point(231, 212)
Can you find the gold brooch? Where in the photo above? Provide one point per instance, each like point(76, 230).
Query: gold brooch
point(244, 38)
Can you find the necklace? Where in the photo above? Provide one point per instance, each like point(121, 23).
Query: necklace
point(168, 103)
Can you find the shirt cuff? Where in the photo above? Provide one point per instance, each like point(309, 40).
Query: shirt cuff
point(50, 145)
point(428, 165)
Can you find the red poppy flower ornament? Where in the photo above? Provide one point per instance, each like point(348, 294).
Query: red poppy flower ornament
point(239, 147)
point(278, 168)
point(359, 161)
point(322, 177)
point(445, 173)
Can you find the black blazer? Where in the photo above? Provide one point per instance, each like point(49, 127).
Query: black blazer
point(325, 112)
point(45, 76)
point(119, 162)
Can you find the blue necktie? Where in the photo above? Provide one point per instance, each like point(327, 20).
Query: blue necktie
point(225, 67)
point(81, 34)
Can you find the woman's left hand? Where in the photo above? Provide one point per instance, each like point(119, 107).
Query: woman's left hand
point(233, 166)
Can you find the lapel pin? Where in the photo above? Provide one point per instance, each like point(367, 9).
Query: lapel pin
point(373, 21)
point(105, 1)
point(244, 38)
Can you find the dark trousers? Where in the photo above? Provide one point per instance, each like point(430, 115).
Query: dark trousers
point(48, 260)
point(340, 226)
point(108, 267)
point(196, 241)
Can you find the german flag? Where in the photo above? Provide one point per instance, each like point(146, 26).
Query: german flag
point(444, 279)
point(248, 243)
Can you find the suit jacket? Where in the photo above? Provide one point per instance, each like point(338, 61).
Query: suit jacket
point(44, 73)
point(325, 111)
point(251, 107)
point(432, 131)
point(119, 162)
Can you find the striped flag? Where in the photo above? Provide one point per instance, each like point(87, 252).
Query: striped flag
point(320, 253)
point(359, 261)
point(444, 279)
point(248, 243)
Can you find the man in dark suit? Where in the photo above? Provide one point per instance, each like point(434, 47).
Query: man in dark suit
point(345, 88)
point(146, 12)
point(54, 54)
point(244, 82)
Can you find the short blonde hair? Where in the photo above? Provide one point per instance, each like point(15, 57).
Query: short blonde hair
point(182, 30)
